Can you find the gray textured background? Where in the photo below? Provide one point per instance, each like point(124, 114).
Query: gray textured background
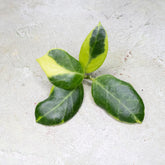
point(28, 29)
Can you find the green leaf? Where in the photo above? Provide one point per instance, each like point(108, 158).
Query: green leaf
point(118, 98)
point(94, 49)
point(62, 69)
point(60, 106)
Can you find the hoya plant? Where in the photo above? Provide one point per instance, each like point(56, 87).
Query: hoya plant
point(116, 97)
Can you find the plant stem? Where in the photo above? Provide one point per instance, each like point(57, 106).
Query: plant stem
point(89, 77)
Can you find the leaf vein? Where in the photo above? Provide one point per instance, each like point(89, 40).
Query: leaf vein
point(53, 109)
point(136, 119)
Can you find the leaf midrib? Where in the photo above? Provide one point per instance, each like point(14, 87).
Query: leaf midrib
point(136, 119)
point(53, 109)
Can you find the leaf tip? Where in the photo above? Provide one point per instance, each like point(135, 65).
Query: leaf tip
point(138, 121)
point(38, 119)
point(39, 60)
point(99, 24)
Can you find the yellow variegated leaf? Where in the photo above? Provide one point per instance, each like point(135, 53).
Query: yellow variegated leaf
point(94, 49)
point(61, 69)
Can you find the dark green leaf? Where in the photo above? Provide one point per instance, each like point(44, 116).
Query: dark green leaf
point(60, 106)
point(118, 98)
point(62, 69)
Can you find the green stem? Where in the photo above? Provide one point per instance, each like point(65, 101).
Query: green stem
point(89, 77)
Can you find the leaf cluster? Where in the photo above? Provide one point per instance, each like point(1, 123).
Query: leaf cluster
point(116, 97)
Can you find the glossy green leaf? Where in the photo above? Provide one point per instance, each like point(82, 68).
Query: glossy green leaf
point(60, 106)
point(94, 49)
point(118, 98)
point(62, 69)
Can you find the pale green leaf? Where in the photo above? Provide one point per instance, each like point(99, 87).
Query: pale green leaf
point(94, 49)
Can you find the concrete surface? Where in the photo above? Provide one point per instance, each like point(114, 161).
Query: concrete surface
point(28, 29)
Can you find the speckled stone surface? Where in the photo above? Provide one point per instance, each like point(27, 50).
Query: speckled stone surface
point(28, 29)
